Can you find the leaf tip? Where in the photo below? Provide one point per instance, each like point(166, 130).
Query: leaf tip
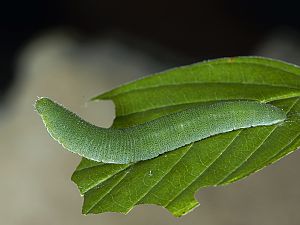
point(185, 210)
point(103, 96)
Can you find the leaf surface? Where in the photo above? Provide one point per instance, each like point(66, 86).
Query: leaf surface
point(172, 179)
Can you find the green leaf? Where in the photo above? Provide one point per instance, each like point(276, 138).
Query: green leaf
point(172, 179)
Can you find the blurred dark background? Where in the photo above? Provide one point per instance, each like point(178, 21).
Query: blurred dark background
point(71, 50)
point(195, 30)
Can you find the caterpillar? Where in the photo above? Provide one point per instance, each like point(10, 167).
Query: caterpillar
point(150, 139)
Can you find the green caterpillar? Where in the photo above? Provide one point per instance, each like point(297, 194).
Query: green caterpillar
point(150, 139)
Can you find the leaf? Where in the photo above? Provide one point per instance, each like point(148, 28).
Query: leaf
point(172, 179)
